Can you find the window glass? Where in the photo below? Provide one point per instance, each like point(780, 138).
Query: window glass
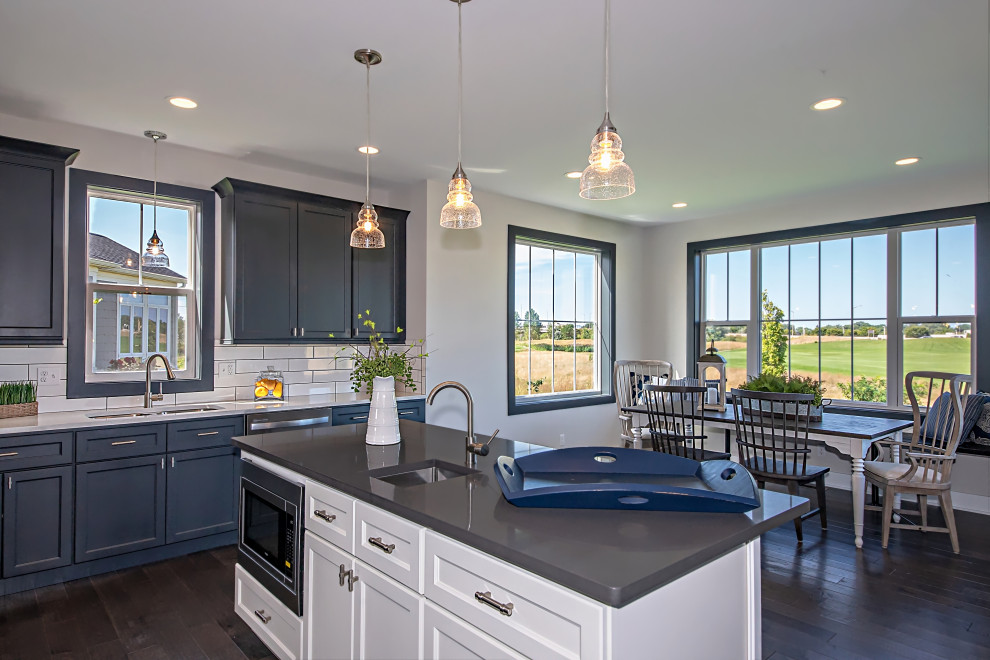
point(956, 270)
point(730, 340)
point(774, 276)
point(836, 274)
point(716, 286)
point(804, 281)
point(739, 274)
point(541, 276)
point(869, 362)
point(937, 347)
point(869, 255)
point(918, 273)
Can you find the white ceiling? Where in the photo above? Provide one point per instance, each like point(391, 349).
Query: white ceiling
point(711, 97)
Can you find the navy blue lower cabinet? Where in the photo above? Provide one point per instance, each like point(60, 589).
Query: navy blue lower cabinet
point(37, 520)
point(413, 410)
point(120, 506)
point(202, 493)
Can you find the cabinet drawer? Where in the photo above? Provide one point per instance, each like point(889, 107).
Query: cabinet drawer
point(203, 433)
point(41, 450)
point(278, 628)
point(119, 442)
point(414, 410)
point(445, 636)
point(545, 620)
point(392, 545)
point(330, 515)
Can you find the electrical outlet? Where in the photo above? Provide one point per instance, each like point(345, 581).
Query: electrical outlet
point(563, 440)
point(821, 450)
point(227, 368)
point(47, 376)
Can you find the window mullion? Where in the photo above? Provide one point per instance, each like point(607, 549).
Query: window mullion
point(894, 330)
point(753, 329)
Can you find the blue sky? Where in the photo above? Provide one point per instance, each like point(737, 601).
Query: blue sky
point(562, 284)
point(846, 279)
point(120, 221)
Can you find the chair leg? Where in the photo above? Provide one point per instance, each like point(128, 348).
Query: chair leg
point(820, 487)
point(888, 512)
point(945, 500)
point(923, 508)
point(792, 488)
point(874, 495)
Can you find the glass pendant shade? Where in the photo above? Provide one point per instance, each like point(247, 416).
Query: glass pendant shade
point(607, 176)
point(155, 253)
point(460, 212)
point(367, 235)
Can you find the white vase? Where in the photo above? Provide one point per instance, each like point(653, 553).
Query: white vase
point(383, 417)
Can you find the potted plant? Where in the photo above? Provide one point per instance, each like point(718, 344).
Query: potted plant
point(766, 382)
point(18, 399)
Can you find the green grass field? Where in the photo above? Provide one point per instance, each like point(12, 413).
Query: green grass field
point(935, 353)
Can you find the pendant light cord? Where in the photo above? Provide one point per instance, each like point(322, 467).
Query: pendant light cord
point(460, 83)
point(154, 195)
point(367, 150)
point(608, 15)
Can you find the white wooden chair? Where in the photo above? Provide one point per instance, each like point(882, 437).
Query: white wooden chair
point(923, 466)
point(629, 381)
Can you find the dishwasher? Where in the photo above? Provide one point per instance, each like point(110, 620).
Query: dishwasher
point(275, 420)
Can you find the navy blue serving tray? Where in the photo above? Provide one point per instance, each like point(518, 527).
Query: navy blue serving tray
point(616, 478)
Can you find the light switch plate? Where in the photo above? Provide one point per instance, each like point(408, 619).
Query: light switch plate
point(227, 368)
point(47, 376)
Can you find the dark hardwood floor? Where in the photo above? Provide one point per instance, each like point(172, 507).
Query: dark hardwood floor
point(915, 600)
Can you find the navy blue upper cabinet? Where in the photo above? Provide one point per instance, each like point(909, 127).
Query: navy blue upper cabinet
point(289, 273)
point(37, 520)
point(32, 222)
point(202, 493)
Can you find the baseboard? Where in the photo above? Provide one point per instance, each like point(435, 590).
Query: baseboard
point(960, 501)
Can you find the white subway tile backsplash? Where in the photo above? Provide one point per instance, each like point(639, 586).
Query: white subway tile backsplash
point(13, 372)
point(325, 351)
point(32, 355)
point(52, 390)
point(236, 380)
point(344, 363)
point(289, 377)
point(238, 352)
point(347, 388)
point(256, 366)
point(216, 395)
point(310, 365)
point(61, 404)
point(57, 369)
point(244, 393)
point(288, 352)
point(307, 389)
point(331, 376)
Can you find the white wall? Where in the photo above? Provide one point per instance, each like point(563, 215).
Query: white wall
point(466, 301)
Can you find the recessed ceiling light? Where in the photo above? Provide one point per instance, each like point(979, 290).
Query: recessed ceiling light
point(573, 175)
point(828, 104)
point(371, 151)
point(910, 160)
point(679, 205)
point(183, 102)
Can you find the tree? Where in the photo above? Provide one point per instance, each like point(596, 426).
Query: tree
point(773, 339)
point(532, 321)
point(714, 332)
point(917, 332)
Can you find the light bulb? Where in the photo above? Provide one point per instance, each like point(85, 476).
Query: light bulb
point(607, 176)
point(367, 234)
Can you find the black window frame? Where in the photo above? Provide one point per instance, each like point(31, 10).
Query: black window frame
point(979, 212)
point(75, 383)
point(561, 401)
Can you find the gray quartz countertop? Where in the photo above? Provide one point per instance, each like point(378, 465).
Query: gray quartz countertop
point(81, 419)
point(611, 556)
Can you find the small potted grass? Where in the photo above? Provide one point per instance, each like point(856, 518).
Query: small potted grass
point(18, 399)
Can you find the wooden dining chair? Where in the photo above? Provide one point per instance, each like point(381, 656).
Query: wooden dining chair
point(922, 466)
point(772, 437)
point(676, 425)
point(629, 381)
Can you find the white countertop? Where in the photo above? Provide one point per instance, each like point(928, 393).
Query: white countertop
point(60, 421)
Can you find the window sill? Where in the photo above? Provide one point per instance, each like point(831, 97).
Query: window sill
point(525, 406)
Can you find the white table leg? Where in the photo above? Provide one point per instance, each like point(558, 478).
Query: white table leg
point(896, 457)
point(859, 498)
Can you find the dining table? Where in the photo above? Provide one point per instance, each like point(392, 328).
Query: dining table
point(850, 435)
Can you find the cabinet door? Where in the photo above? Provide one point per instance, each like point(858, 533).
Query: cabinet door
point(445, 636)
point(323, 268)
point(202, 493)
point(37, 520)
point(31, 219)
point(120, 506)
point(264, 282)
point(329, 607)
point(388, 617)
point(380, 279)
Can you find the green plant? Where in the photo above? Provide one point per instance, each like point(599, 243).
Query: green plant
point(768, 382)
point(381, 360)
point(867, 389)
point(535, 385)
point(773, 339)
point(18, 392)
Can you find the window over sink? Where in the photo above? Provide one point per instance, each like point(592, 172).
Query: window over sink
point(122, 311)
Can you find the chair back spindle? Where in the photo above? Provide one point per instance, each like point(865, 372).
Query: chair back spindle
point(772, 431)
point(676, 423)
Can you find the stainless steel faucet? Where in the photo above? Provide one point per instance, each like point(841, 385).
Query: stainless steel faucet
point(472, 448)
point(148, 396)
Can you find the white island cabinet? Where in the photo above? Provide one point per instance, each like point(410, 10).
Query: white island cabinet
point(379, 586)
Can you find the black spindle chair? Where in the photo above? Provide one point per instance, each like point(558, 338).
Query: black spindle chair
point(676, 424)
point(772, 438)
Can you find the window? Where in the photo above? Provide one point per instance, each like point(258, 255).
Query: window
point(856, 309)
point(561, 321)
point(121, 311)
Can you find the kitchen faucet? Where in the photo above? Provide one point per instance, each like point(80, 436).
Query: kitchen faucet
point(148, 396)
point(472, 448)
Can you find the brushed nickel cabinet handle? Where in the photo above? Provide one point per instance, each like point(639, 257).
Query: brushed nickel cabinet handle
point(302, 332)
point(351, 579)
point(293, 332)
point(265, 618)
point(9, 453)
point(123, 442)
point(329, 517)
point(208, 433)
point(486, 598)
point(343, 574)
point(359, 418)
point(377, 542)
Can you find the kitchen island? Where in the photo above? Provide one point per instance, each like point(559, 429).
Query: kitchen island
point(475, 574)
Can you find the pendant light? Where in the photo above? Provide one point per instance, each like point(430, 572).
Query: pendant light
point(155, 255)
point(606, 176)
point(460, 212)
point(367, 234)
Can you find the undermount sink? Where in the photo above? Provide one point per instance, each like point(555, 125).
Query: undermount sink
point(152, 412)
point(424, 472)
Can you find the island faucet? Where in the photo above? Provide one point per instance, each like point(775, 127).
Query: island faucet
point(148, 396)
point(472, 448)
